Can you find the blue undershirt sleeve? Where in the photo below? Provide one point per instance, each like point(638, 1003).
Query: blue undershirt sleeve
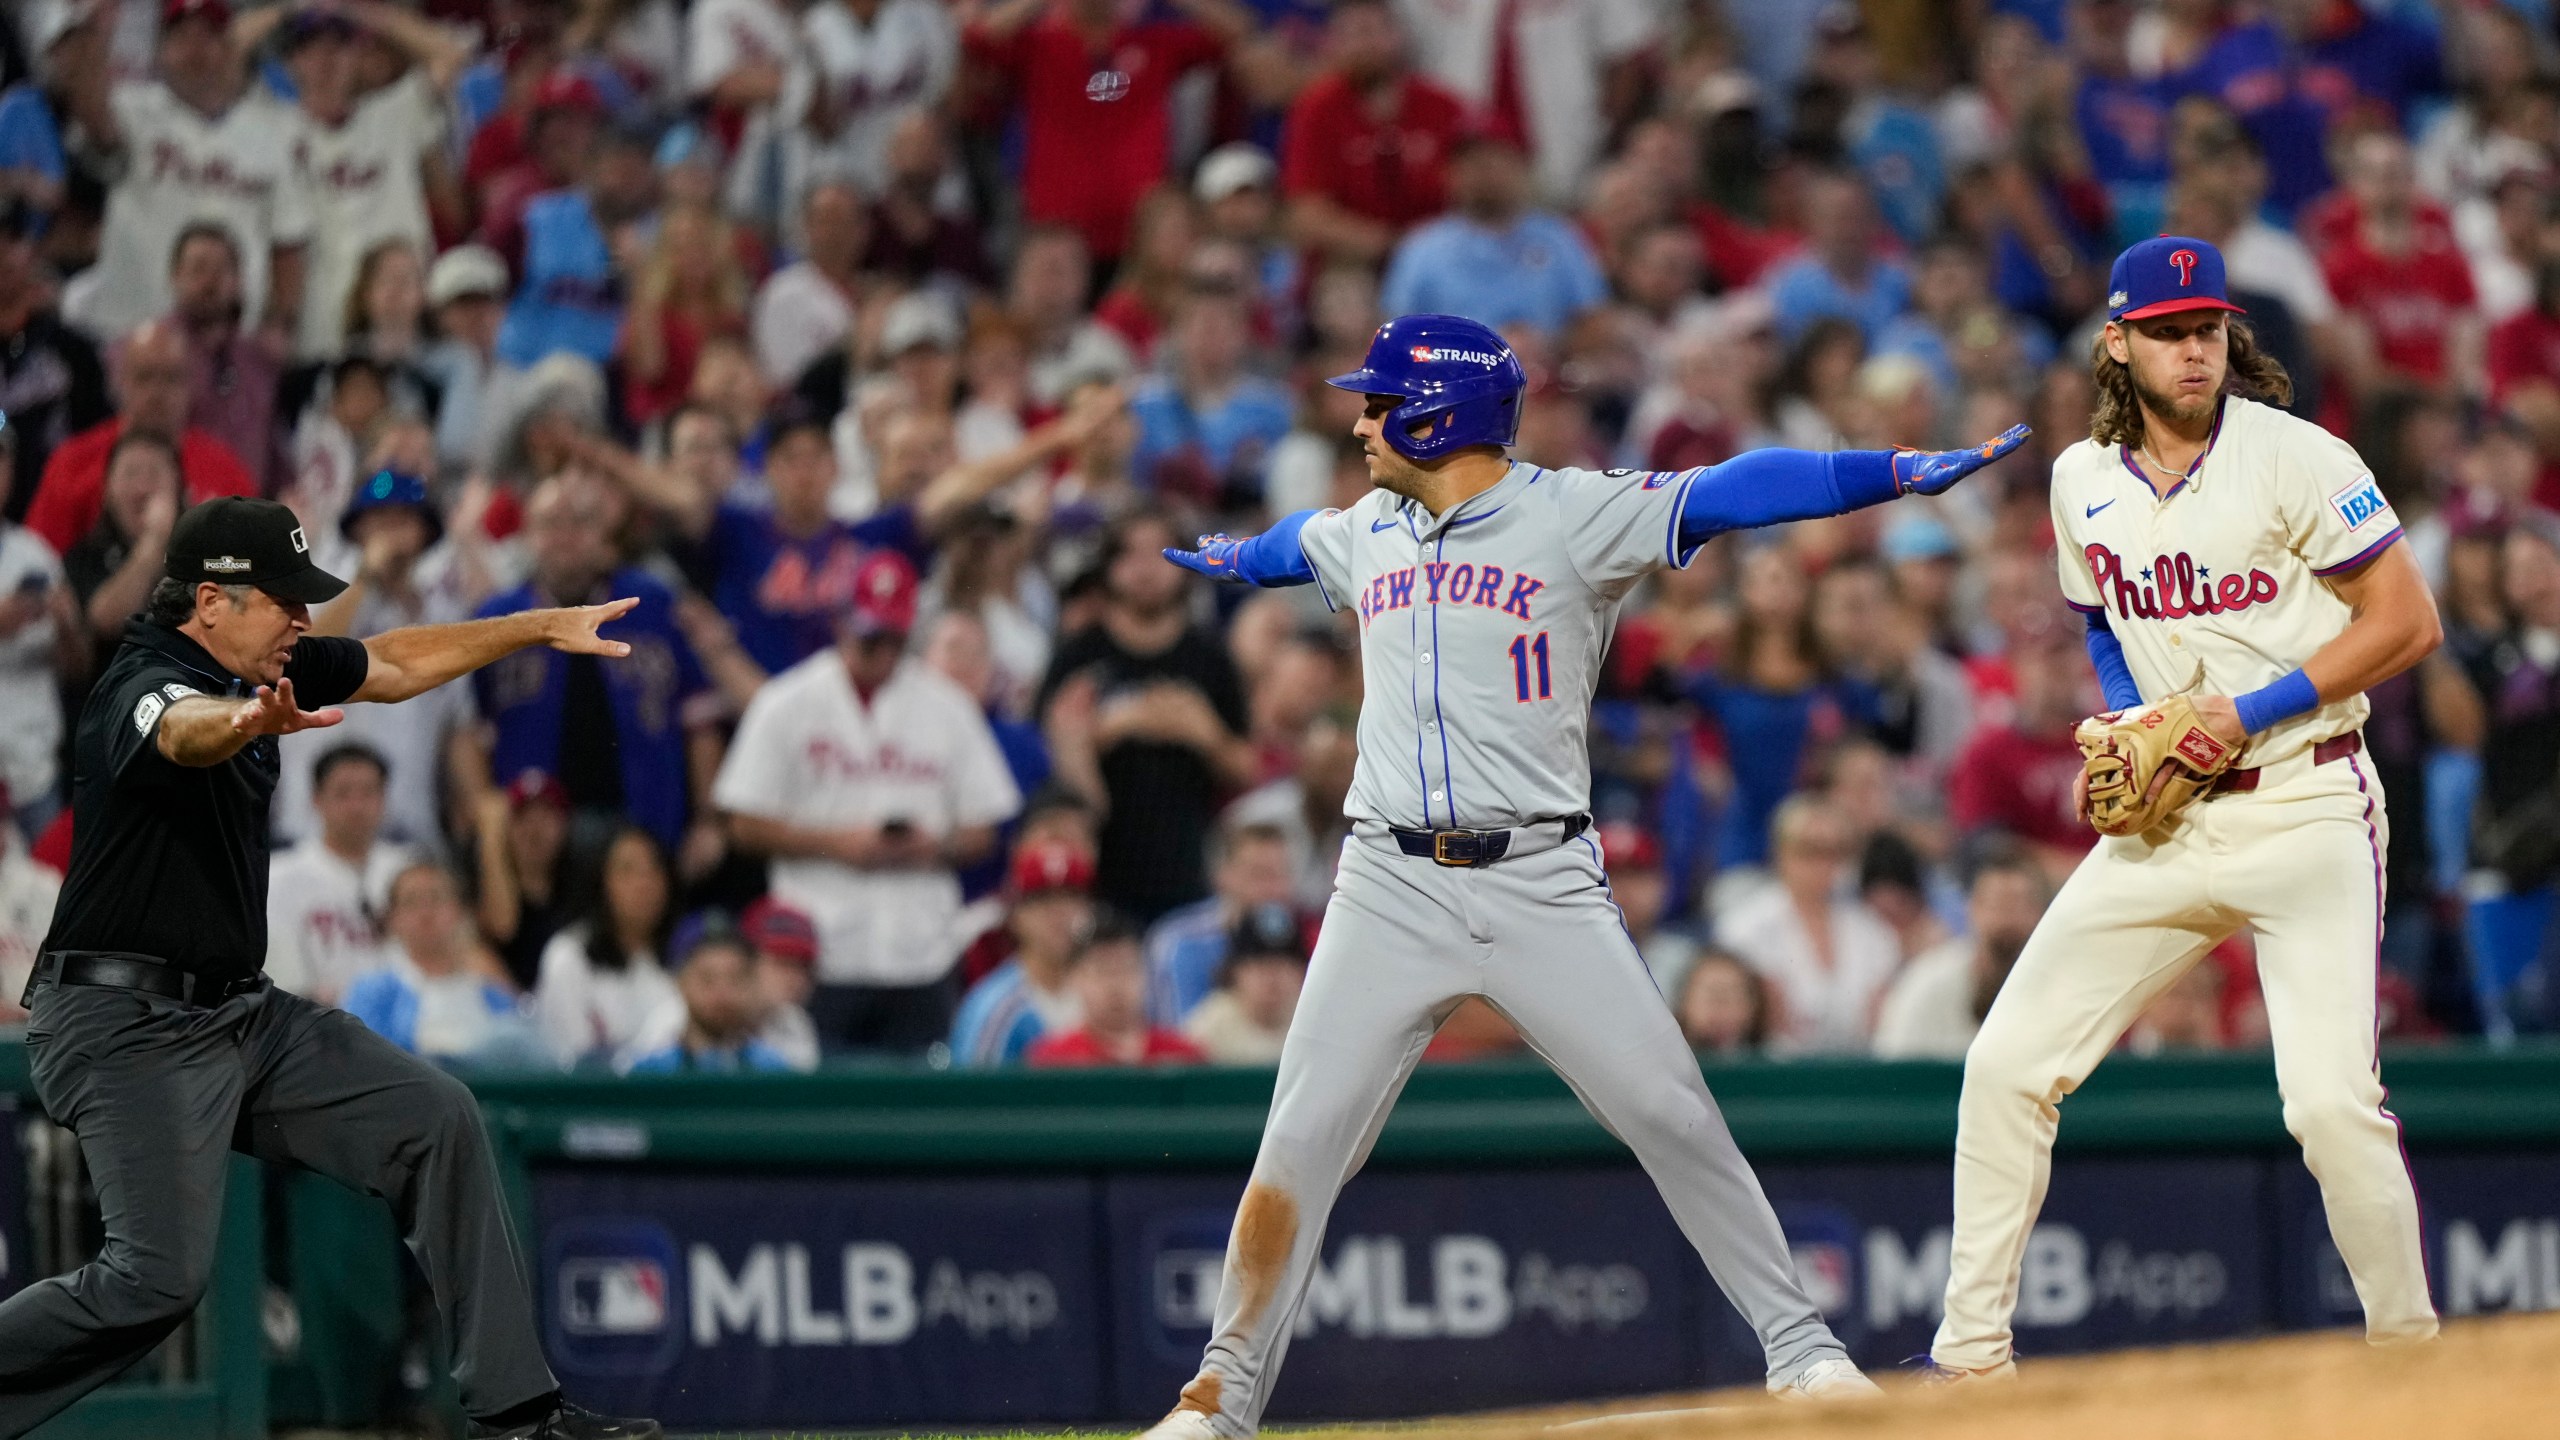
point(1770, 487)
point(1275, 557)
point(2106, 653)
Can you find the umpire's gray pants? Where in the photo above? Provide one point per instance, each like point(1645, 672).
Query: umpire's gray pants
point(1404, 942)
point(160, 1092)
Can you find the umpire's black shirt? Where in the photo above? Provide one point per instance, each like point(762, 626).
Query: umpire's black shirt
point(170, 860)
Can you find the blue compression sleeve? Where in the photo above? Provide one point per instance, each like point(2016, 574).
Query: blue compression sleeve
point(1769, 487)
point(2271, 704)
point(2106, 653)
point(1274, 557)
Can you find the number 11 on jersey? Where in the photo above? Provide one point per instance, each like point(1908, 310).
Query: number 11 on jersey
point(1524, 650)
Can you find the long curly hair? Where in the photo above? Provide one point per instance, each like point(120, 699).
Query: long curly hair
point(2116, 418)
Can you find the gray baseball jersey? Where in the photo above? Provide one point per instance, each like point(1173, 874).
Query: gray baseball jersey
point(1482, 632)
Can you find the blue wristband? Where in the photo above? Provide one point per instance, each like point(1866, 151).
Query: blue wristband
point(2275, 703)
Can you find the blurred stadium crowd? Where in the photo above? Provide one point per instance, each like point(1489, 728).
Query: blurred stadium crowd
point(877, 346)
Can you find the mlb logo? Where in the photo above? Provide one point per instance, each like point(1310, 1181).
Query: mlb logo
point(2359, 503)
point(600, 1296)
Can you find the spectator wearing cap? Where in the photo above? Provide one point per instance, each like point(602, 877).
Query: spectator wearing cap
point(806, 309)
point(1550, 76)
point(44, 643)
point(467, 295)
point(2016, 776)
point(67, 45)
point(49, 372)
point(1641, 889)
point(430, 996)
point(1239, 197)
point(1844, 273)
point(1026, 997)
point(873, 63)
point(1493, 258)
point(747, 67)
point(786, 946)
point(1098, 139)
point(571, 277)
point(521, 846)
point(1206, 426)
point(1146, 714)
point(324, 893)
point(376, 159)
point(1827, 958)
point(1245, 1019)
point(197, 147)
point(1365, 152)
point(1107, 978)
point(151, 377)
point(404, 574)
point(626, 739)
point(720, 1008)
point(1253, 870)
point(1925, 561)
point(870, 780)
point(545, 141)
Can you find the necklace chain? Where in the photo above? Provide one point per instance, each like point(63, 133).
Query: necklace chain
point(2168, 469)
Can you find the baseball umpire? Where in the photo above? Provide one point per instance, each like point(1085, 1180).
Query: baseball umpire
point(153, 1035)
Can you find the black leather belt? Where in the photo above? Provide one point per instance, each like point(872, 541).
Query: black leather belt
point(122, 971)
point(1470, 849)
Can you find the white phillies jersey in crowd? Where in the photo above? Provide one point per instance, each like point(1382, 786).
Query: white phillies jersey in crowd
point(322, 931)
point(1560, 50)
point(809, 752)
point(871, 76)
point(367, 186)
point(2228, 569)
point(1481, 636)
point(236, 169)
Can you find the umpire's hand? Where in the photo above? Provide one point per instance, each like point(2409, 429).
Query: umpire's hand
point(574, 628)
point(272, 711)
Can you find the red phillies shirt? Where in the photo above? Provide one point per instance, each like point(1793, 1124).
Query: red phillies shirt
point(1097, 128)
point(2523, 349)
point(1394, 170)
point(1078, 1047)
point(73, 488)
point(2010, 780)
point(2408, 301)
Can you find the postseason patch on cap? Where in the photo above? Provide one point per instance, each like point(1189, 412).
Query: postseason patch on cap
point(227, 564)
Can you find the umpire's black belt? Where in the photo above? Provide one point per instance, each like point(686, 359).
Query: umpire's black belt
point(121, 970)
point(1469, 849)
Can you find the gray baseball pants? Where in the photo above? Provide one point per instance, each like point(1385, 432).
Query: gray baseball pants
point(1405, 941)
point(160, 1093)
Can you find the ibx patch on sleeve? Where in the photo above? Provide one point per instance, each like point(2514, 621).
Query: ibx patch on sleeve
point(2359, 503)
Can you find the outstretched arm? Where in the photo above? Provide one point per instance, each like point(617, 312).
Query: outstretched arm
point(201, 730)
point(1271, 558)
point(415, 660)
point(1771, 487)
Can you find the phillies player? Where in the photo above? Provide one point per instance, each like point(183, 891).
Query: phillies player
point(1487, 591)
point(2212, 539)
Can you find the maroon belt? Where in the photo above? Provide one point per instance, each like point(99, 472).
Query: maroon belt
point(2237, 782)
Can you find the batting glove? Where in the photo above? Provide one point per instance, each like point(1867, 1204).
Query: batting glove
point(1216, 558)
point(1931, 472)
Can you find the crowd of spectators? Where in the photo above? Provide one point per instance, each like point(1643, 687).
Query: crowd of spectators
point(877, 347)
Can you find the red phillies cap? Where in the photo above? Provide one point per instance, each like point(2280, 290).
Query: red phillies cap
point(779, 929)
point(1629, 847)
point(562, 90)
point(884, 595)
point(536, 786)
point(1046, 865)
point(216, 11)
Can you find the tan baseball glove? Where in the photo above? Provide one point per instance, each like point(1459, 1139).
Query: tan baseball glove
point(2143, 766)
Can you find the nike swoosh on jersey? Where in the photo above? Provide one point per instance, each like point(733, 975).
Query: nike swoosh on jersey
point(2094, 509)
point(1377, 525)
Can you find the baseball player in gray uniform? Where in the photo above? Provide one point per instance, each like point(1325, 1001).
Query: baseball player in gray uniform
point(1487, 591)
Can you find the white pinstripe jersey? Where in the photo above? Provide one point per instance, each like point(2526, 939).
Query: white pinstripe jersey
point(2231, 567)
point(1482, 633)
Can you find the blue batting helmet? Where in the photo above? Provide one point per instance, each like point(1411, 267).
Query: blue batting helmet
point(1461, 384)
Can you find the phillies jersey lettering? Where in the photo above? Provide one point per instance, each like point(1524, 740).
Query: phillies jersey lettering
point(2241, 559)
point(1482, 633)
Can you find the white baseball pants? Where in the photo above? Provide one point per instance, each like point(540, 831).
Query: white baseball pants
point(2298, 860)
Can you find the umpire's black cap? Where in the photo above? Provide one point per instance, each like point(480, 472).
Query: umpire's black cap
point(231, 541)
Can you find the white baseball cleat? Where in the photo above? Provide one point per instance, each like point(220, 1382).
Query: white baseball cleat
point(1831, 1379)
point(1182, 1425)
point(1935, 1375)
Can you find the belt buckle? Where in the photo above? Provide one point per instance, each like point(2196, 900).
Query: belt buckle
point(1440, 847)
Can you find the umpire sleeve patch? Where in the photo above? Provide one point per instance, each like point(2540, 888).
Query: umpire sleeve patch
point(147, 714)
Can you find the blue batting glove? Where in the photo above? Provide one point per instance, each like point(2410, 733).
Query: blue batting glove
point(1928, 472)
point(1216, 558)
